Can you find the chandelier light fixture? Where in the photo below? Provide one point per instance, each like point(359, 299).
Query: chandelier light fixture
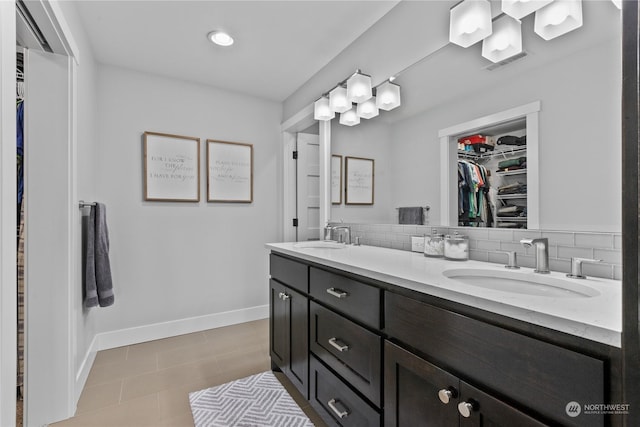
point(354, 98)
point(505, 41)
point(322, 110)
point(558, 18)
point(349, 117)
point(368, 108)
point(338, 99)
point(359, 87)
point(520, 8)
point(469, 22)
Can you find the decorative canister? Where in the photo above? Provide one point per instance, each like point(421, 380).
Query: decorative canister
point(456, 247)
point(434, 245)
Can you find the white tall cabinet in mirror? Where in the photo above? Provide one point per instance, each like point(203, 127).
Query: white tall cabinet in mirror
point(527, 115)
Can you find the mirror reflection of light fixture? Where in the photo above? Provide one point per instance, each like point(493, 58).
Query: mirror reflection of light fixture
point(349, 118)
point(322, 110)
point(470, 22)
point(368, 108)
point(359, 87)
point(520, 8)
point(338, 99)
point(558, 18)
point(505, 41)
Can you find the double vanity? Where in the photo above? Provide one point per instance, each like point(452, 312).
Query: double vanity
point(374, 336)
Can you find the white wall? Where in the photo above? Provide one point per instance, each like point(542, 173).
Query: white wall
point(173, 261)
point(370, 139)
point(580, 134)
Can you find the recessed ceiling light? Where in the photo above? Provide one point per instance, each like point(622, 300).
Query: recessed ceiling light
point(220, 38)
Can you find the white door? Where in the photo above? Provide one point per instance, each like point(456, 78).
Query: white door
point(308, 187)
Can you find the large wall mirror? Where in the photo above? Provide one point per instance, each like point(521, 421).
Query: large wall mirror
point(575, 78)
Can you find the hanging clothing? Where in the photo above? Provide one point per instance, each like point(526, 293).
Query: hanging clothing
point(21, 291)
point(473, 194)
point(20, 149)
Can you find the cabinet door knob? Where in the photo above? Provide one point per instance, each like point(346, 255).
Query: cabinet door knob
point(285, 297)
point(337, 293)
point(341, 414)
point(446, 394)
point(466, 408)
point(340, 347)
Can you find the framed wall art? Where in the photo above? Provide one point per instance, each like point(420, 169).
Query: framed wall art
point(171, 168)
point(359, 174)
point(336, 179)
point(229, 172)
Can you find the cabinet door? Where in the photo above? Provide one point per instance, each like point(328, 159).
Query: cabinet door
point(298, 369)
point(417, 393)
point(278, 325)
point(289, 334)
point(479, 409)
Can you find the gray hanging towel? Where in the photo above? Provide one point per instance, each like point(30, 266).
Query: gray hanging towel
point(411, 215)
point(98, 283)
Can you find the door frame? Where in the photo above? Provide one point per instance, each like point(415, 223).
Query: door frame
point(289, 128)
point(49, 17)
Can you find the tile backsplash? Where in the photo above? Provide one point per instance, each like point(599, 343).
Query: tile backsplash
point(484, 244)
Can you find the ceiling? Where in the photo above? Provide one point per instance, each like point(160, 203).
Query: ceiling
point(278, 46)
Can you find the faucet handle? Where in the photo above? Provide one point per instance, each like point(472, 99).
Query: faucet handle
point(576, 267)
point(512, 262)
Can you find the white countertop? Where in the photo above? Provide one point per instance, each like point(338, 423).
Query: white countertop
point(598, 318)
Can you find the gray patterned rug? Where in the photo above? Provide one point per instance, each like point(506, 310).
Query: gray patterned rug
point(256, 401)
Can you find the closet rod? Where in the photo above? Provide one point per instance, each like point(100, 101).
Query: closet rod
point(84, 204)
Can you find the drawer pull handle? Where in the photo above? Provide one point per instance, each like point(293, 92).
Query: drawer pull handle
point(337, 293)
point(334, 408)
point(340, 347)
point(446, 394)
point(466, 408)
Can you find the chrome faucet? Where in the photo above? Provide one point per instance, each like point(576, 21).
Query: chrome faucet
point(542, 253)
point(576, 267)
point(344, 237)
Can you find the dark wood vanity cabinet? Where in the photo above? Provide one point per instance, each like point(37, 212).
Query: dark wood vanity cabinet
point(418, 393)
point(367, 353)
point(289, 331)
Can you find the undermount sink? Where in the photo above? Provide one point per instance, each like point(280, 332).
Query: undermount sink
point(523, 283)
point(319, 244)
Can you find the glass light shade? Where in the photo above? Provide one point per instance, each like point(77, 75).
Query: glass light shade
point(388, 96)
point(520, 8)
point(558, 18)
point(349, 118)
point(338, 100)
point(470, 22)
point(322, 110)
point(368, 108)
point(359, 88)
point(505, 41)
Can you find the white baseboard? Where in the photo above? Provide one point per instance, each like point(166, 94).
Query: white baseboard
point(122, 337)
point(156, 331)
point(85, 368)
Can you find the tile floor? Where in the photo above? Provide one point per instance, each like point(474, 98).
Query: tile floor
point(148, 384)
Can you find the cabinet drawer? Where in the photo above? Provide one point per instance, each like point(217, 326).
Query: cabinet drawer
point(356, 299)
point(336, 403)
point(350, 350)
point(289, 272)
point(536, 374)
